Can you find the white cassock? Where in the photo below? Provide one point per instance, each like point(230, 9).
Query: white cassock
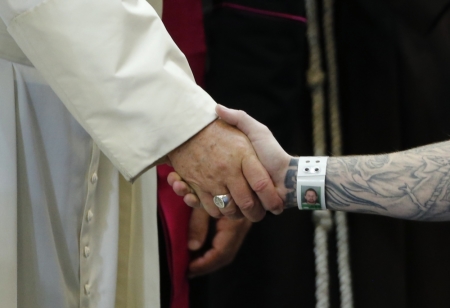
point(88, 89)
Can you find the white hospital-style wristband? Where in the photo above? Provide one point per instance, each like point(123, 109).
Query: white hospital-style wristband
point(311, 180)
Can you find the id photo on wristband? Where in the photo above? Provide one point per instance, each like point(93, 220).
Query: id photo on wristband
point(311, 199)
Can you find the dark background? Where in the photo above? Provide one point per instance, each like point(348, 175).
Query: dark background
point(394, 75)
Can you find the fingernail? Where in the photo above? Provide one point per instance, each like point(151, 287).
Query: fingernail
point(194, 244)
point(277, 212)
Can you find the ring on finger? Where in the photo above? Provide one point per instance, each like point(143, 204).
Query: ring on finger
point(222, 201)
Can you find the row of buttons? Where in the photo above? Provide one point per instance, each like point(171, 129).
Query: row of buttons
point(89, 216)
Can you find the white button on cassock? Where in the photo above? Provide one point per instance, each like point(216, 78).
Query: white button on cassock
point(94, 178)
point(87, 289)
point(87, 251)
point(89, 215)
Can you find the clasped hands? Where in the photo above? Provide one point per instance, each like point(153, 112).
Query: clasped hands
point(234, 155)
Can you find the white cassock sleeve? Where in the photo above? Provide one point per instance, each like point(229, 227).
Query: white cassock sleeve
point(117, 70)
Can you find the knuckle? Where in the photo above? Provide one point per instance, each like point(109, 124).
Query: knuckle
point(261, 185)
point(221, 166)
point(264, 127)
point(242, 113)
point(246, 204)
point(229, 211)
point(191, 200)
point(181, 192)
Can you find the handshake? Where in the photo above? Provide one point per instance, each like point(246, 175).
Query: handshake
point(235, 168)
point(238, 157)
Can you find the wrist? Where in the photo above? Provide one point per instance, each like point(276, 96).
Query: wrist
point(288, 188)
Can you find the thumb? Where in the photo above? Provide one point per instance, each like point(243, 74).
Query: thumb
point(198, 228)
point(241, 120)
point(272, 156)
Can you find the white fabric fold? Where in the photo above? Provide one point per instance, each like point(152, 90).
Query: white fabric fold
point(8, 188)
point(117, 70)
point(121, 77)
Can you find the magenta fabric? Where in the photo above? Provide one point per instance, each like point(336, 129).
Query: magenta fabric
point(174, 216)
point(263, 12)
point(184, 22)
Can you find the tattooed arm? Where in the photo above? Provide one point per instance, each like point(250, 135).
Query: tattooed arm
point(412, 184)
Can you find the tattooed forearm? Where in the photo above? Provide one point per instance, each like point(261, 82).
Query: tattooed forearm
point(412, 185)
point(290, 183)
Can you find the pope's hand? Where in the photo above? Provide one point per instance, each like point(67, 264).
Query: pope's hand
point(220, 160)
point(270, 154)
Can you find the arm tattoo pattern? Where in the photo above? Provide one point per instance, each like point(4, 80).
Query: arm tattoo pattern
point(290, 182)
point(414, 184)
